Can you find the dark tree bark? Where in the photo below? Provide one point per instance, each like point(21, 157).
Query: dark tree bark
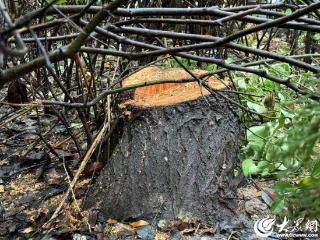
point(173, 162)
point(17, 92)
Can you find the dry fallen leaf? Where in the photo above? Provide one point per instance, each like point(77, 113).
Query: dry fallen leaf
point(93, 167)
point(27, 230)
point(258, 194)
point(138, 224)
point(33, 113)
point(1, 188)
point(111, 221)
point(162, 236)
point(188, 231)
point(207, 231)
point(123, 229)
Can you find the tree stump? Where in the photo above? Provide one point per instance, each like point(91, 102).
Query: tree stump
point(177, 154)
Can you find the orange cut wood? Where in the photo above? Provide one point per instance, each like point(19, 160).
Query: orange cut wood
point(166, 94)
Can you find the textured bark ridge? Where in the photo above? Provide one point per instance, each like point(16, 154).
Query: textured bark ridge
point(172, 162)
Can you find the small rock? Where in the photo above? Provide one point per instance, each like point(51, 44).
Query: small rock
point(78, 236)
point(163, 225)
point(255, 206)
point(2, 211)
point(146, 232)
point(27, 198)
point(2, 171)
point(12, 228)
point(54, 177)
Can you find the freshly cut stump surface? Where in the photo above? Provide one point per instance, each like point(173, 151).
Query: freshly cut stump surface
point(168, 93)
point(176, 154)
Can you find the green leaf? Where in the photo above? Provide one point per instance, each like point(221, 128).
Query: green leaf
point(257, 133)
point(280, 166)
point(281, 97)
point(280, 69)
point(242, 83)
point(249, 167)
point(58, 1)
point(288, 11)
point(278, 206)
point(211, 68)
point(316, 37)
point(125, 61)
point(316, 170)
point(257, 107)
point(236, 172)
point(265, 168)
point(256, 146)
point(49, 17)
point(287, 114)
point(76, 125)
point(283, 187)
